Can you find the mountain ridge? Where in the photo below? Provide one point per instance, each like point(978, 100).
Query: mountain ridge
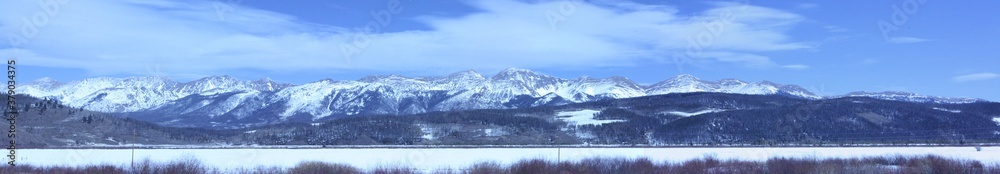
point(227, 101)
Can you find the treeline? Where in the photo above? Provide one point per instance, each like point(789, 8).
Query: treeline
point(475, 127)
point(748, 120)
point(49, 123)
point(878, 164)
point(738, 120)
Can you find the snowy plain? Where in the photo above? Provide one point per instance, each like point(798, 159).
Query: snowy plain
point(583, 117)
point(456, 158)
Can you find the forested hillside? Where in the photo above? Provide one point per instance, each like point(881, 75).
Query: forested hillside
point(673, 119)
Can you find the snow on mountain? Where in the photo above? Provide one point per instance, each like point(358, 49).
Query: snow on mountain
point(43, 87)
point(583, 117)
point(315, 98)
point(515, 81)
point(465, 76)
point(947, 110)
point(589, 89)
point(683, 83)
point(388, 94)
point(910, 97)
point(223, 98)
point(688, 114)
point(106, 94)
point(135, 93)
point(687, 83)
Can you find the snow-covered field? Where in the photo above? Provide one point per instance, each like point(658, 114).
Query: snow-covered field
point(437, 158)
point(583, 117)
point(688, 114)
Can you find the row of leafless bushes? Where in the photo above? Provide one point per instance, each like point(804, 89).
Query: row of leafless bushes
point(882, 164)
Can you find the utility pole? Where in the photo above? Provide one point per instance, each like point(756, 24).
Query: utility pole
point(133, 149)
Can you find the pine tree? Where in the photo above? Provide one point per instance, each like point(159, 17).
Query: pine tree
point(42, 110)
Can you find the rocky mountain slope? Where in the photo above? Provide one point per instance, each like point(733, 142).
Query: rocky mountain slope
point(226, 102)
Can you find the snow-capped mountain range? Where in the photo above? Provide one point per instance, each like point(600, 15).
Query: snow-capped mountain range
point(909, 97)
point(137, 93)
point(226, 100)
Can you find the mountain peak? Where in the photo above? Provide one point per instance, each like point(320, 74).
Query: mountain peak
point(769, 83)
point(613, 79)
point(517, 73)
point(220, 77)
point(45, 80)
point(266, 80)
point(214, 83)
point(882, 93)
point(216, 79)
point(619, 78)
point(378, 78)
point(731, 81)
point(686, 77)
point(325, 80)
point(682, 79)
point(513, 69)
point(470, 71)
point(910, 97)
point(468, 74)
point(266, 84)
point(148, 80)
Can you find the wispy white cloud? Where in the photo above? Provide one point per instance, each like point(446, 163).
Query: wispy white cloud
point(901, 40)
point(110, 37)
point(747, 60)
point(806, 6)
point(796, 67)
point(835, 29)
point(975, 77)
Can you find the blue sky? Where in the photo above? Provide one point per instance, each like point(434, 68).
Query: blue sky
point(830, 47)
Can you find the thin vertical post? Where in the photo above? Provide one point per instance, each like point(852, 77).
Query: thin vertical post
point(133, 150)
